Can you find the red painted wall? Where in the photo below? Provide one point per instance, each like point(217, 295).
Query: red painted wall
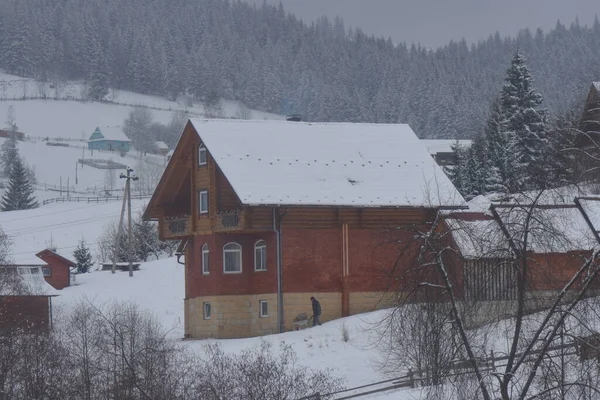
point(312, 260)
point(27, 313)
point(219, 283)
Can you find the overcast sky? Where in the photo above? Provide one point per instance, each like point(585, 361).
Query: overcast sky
point(435, 22)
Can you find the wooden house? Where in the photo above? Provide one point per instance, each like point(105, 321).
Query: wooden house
point(442, 150)
point(109, 138)
point(590, 119)
point(57, 270)
point(270, 213)
point(25, 300)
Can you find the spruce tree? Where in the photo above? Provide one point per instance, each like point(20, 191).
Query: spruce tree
point(83, 257)
point(20, 192)
point(524, 127)
point(495, 151)
point(561, 161)
point(9, 151)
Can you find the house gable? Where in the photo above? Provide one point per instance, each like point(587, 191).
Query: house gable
point(184, 178)
point(96, 135)
point(590, 119)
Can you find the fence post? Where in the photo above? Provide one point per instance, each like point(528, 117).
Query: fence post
point(411, 378)
point(493, 360)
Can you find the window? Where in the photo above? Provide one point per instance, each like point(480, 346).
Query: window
point(202, 155)
point(206, 310)
point(34, 270)
point(47, 271)
point(203, 201)
point(232, 258)
point(263, 308)
point(205, 265)
point(260, 256)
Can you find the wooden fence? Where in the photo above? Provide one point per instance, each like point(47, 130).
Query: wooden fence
point(98, 199)
point(422, 378)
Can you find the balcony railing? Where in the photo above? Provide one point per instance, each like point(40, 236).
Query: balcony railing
point(176, 227)
point(232, 220)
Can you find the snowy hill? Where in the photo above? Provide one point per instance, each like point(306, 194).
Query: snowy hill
point(62, 224)
point(55, 110)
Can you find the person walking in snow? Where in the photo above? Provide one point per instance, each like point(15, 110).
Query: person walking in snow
point(316, 306)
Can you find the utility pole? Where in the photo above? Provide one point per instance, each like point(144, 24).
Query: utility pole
point(120, 228)
point(129, 177)
point(76, 181)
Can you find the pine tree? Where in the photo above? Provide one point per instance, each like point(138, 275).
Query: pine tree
point(524, 127)
point(459, 174)
point(145, 238)
point(83, 257)
point(561, 161)
point(495, 151)
point(20, 192)
point(9, 151)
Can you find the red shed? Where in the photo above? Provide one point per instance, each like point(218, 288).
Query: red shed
point(25, 299)
point(57, 272)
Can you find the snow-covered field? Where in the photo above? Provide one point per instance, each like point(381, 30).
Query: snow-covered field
point(57, 166)
point(62, 224)
point(63, 115)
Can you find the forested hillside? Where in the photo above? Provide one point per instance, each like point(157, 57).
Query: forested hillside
point(274, 62)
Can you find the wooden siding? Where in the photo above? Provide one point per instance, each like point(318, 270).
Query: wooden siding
point(227, 199)
point(490, 279)
point(175, 228)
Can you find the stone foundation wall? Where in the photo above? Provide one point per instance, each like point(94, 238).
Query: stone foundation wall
point(231, 316)
point(361, 302)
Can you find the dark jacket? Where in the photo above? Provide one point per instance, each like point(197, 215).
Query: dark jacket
point(316, 307)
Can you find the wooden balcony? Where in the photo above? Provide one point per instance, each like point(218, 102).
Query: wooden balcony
point(229, 221)
point(174, 228)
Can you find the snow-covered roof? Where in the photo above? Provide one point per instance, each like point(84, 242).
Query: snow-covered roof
point(591, 207)
point(161, 145)
point(479, 238)
point(596, 85)
point(345, 164)
point(550, 230)
point(24, 280)
point(112, 133)
point(435, 146)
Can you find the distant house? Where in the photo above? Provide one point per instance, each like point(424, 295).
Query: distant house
point(588, 136)
point(4, 134)
point(25, 299)
point(109, 138)
point(57, 271)
point(270, 213)
point(161, 148)
point(442, 150)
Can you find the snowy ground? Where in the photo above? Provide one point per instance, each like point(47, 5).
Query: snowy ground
point(159, 287)
point(63, 115)
point(62, 224)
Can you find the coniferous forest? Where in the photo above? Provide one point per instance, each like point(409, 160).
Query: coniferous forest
point(274, 62)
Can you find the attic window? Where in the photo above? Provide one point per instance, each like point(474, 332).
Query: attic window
point(202, 155)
